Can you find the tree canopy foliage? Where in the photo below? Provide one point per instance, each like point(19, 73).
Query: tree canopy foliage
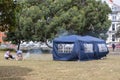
point(40, 20)
point(73, 16)
point(7, 15)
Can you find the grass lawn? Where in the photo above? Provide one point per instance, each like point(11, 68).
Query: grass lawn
point(44, 68)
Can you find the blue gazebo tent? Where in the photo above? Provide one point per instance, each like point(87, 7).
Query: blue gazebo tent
point(92, 48)
point(65, 48)
point(74, 47)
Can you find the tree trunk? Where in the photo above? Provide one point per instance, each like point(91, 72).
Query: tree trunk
point(45, 40)
point(18, 48)
point(48, 44)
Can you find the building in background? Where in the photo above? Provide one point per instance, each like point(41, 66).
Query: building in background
point(115, 19)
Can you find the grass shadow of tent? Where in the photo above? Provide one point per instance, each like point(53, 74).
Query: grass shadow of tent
point(13, 72)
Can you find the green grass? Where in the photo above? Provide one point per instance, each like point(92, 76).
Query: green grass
point(44, 68)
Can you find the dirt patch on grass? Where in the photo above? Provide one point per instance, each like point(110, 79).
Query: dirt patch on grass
point(13, 72)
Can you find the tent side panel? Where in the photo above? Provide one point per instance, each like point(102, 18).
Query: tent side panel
point(65, 56)
point(86, 51)
point(101, 50)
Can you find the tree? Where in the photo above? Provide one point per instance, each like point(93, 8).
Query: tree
point(97, 18)
point(24, 16)
point(74, 16)
point(46, 19)
point(7, 17)
point(15, 35)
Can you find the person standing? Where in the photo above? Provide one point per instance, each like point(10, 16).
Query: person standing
point(113, 46)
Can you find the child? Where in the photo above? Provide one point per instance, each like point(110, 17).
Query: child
point(8, 55)
point(19, 55)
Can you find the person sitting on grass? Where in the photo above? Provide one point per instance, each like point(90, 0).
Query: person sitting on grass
point(19, 55)
point(8, 55)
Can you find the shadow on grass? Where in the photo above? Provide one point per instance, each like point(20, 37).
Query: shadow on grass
point(13, 72)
